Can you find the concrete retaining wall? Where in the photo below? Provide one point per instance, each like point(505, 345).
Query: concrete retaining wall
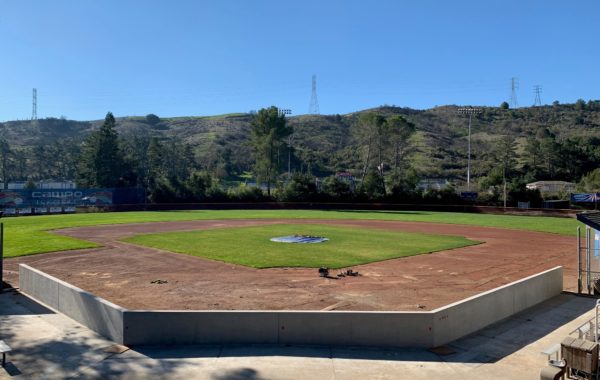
point(93, 312)
point(396, 329)
point(368, 328)
point(472, 314)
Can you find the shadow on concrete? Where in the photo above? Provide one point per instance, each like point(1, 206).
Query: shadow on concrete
point(64, 350)
point(11, 369)
point(18, 304)
point(506, 337)
point(50, 345)
point(238, 374)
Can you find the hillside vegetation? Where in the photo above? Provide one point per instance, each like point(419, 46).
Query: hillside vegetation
point(532, 143)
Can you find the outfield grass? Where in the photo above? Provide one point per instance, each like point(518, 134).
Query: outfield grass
point(28, 235)
point(347, 246)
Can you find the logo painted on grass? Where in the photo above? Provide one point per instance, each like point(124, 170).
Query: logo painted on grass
point(302, 239)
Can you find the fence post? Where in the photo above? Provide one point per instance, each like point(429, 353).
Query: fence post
point(587, 259)
point(1, 256)
point(579, 260)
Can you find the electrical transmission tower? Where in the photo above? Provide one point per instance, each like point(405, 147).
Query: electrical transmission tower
point(313, 108)
point(514, 86)
point(538, 100)
point(34, 105)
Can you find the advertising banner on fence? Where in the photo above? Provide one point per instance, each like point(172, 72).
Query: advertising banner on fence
point(47, 198)
point(469, 196)
point(585, 197)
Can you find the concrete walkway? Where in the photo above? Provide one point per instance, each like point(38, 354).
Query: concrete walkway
point(48, 345)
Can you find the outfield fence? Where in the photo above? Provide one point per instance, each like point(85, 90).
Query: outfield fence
point(566, 213)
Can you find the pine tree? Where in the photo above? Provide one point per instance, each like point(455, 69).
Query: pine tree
point(102, 162)
point(5, 161)
point(268, 131)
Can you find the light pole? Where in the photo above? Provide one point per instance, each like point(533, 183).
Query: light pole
point(469, 111)
point(283, 112)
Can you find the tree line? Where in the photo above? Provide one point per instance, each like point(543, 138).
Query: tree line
point(382, 150)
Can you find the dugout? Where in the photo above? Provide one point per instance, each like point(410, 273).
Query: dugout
point(588, 253)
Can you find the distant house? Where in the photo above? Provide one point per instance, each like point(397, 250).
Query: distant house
point(552, 187)
point(43, 184)
point(15, 185)
point(433, 184)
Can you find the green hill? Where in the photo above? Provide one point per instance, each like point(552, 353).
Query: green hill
point(324, 143)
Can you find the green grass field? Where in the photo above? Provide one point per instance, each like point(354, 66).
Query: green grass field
point(29, 235)
point(250, 246)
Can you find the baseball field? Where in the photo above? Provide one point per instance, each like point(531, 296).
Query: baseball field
point(225, 260)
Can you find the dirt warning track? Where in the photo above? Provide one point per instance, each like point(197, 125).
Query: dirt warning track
point(146, 278)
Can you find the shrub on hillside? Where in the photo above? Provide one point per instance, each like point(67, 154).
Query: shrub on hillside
point(301, 188)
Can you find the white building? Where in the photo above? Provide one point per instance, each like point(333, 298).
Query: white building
point(43, 184)
point(58, 185)
point(552, 187)
point(432, 183)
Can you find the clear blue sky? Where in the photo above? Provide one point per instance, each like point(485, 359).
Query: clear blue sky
point(210, 57)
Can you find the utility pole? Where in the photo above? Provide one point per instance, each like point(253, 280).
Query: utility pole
point(504, 191)
point(469, 111)
point(290, 139)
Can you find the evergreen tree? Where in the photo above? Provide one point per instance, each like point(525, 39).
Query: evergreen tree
point(102, 163)
point(40, 161)
point(590, 183)
point(506, 155)
point(399, 131)
point(268, 131)
point(368, 132)
point(5, 161)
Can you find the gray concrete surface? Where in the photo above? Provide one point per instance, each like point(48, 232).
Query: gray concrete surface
point(48, 345)
point(386, 329)
point(93, 312)
point(472, 314)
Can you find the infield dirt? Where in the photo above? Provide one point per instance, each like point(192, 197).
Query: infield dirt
point(138, 277)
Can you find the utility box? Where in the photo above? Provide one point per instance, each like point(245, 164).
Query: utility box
point(580, 354)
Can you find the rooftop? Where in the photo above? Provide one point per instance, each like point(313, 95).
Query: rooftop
point(590, 219)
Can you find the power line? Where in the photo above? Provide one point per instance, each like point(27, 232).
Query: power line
point(313, 108)
point(514, 86)
point(538, 100)
point(34, 105)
